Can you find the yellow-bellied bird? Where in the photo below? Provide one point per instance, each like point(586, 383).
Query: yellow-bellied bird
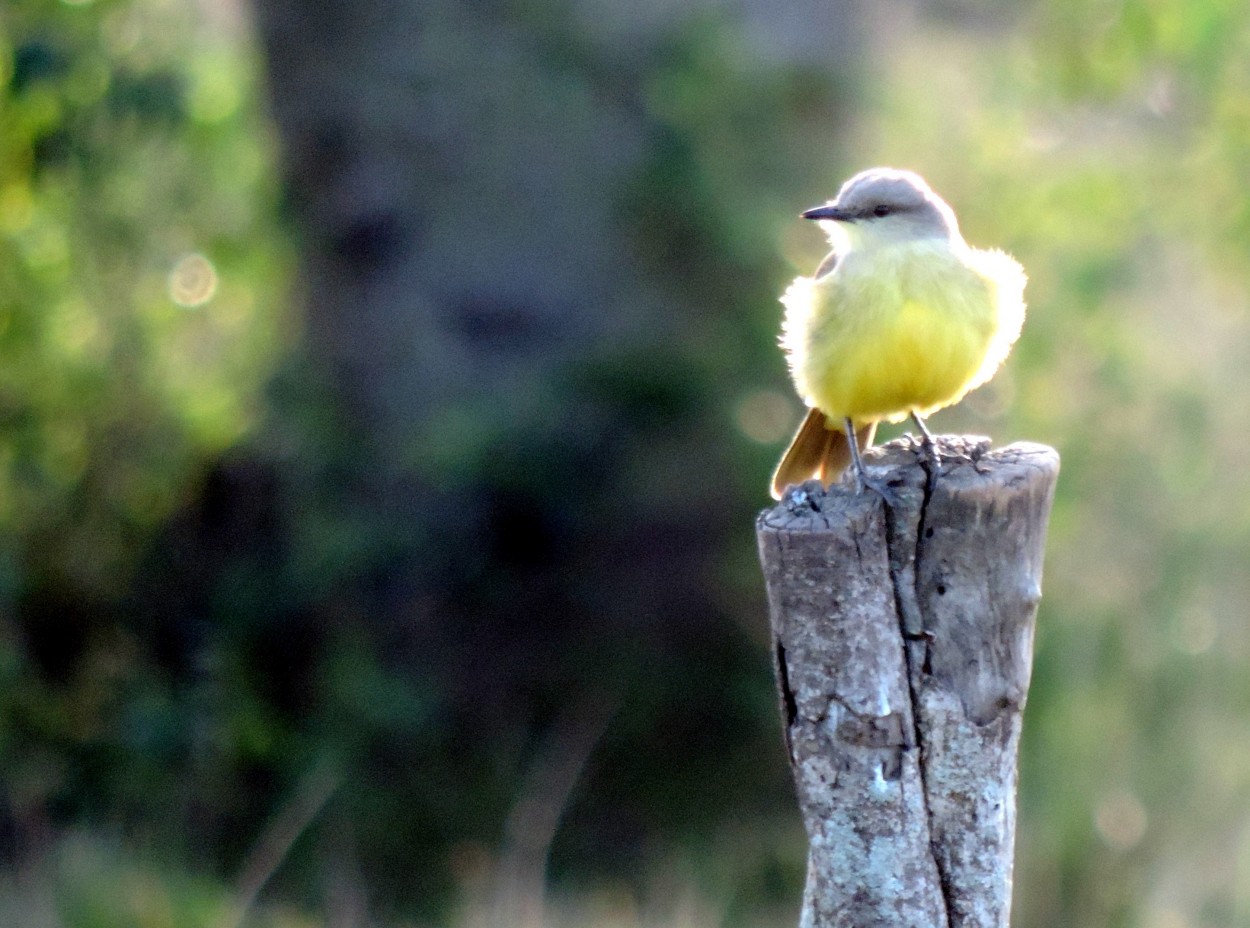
point(902, 318)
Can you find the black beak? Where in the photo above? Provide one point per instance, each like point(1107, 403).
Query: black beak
point(829, 212)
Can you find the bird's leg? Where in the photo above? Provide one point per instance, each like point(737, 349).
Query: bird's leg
point(927, 443)
point(861, 475)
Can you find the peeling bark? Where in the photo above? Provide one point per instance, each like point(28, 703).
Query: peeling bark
point(903, 646)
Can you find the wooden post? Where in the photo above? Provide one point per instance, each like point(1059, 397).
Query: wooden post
point(903, 639)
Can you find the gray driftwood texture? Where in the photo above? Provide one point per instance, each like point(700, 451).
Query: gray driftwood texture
point(903, 641)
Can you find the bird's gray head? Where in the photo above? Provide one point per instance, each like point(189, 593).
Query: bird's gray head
point(883, 205)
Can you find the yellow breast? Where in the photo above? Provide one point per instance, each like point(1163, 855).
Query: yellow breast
point(909, 327)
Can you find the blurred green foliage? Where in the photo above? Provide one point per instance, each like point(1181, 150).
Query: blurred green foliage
point(1106, 146)
point(142, 282)
point(143, 269)
point(140, 275)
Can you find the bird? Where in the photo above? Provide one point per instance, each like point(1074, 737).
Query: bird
point(901, 319)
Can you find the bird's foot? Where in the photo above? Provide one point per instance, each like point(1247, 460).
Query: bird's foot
point(930, 455)
point(880, 487)
point(862, 480)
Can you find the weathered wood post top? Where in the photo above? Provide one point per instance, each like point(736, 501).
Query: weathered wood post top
point(903, 640)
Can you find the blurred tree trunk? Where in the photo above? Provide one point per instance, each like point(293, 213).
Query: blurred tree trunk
point(530, 307)
point(458, 188)
point(454, 198)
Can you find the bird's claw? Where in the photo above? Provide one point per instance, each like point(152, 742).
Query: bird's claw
point(930, 455)
point(880, 487)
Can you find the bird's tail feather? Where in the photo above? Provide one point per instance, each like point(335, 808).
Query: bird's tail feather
point(819, 450)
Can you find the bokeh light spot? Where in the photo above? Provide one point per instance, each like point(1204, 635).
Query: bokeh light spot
point(993, 400)
point(1120, 819)
point(1195, 631)
point(193, 281)
point(765, 416)
point(215, 92)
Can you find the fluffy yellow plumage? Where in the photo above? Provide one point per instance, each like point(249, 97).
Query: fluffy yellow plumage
point(904, 318)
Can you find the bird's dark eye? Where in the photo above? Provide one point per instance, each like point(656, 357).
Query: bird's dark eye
point(881, 210)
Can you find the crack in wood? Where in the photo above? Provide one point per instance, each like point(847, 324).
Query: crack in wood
point(902, 641)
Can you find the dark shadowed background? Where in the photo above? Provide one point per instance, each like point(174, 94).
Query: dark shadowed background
point(387, 391)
